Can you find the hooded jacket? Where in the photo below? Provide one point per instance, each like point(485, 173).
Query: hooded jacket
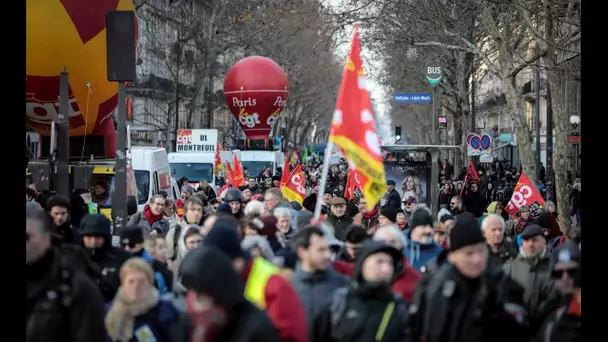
point(357, 312)
point(243, 322)
point(419, 254)
point(108, 258)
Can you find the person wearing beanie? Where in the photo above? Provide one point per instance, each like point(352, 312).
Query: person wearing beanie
point(359, 311)
point(476, 304)
point(420, 246)
point(564, 322)
point(97, 241)
point(388, 216)
point(233, 317)
point(286, 259)
point(246, 194)
point(264, 285)
point(531, 268)
point(132, 241)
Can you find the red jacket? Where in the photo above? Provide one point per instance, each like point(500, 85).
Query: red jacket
point(404, 285)
point(284, 308)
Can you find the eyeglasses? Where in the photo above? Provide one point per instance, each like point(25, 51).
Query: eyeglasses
point(558, 274)
point(129, 245)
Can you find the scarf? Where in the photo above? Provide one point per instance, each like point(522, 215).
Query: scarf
point(371, 214)
point(151, 217)
point(120, 319)
point(520, 225)
point(207, 318)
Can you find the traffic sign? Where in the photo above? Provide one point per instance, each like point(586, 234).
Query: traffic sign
point(443, 122)
point(412, 98)
point(486, 142)
point(479, 146)
point(433, 73)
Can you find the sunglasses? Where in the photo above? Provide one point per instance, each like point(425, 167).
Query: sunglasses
point(558, 274)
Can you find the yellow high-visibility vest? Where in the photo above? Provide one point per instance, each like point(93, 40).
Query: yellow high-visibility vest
point(261, 271)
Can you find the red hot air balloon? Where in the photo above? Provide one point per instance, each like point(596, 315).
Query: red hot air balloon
point(256, 91)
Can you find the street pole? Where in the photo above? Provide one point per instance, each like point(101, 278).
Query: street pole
point(62, 185)
point(434, 116)
point(178, 52)
point(537, 119)
point(119, 200)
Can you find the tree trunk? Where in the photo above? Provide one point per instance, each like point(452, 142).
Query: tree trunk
point(520, 125)
point(560, 127)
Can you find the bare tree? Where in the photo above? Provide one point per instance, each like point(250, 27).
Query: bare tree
point(555, 25)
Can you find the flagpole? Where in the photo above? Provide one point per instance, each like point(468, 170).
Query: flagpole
point(324, 173)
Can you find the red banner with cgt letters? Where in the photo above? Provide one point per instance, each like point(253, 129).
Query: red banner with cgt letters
point(525, 193)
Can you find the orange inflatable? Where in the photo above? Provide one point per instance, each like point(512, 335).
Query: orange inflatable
point(70, 34)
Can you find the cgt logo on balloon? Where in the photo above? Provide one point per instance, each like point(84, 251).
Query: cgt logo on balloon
point(256, 91)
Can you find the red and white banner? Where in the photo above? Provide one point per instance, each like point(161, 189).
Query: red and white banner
point(525, 193)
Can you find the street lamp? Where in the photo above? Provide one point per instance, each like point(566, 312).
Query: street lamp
point(575, 120)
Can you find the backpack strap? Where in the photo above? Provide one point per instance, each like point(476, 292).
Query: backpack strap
point(338, 305)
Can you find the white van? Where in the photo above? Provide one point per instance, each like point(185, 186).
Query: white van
point(195, 166)
point(255, 161)
point(152, 173)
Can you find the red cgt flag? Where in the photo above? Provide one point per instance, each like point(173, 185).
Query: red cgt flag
point(353, 128)
point(294, 189)
point(525, 193)
point(286, 173)
point(237, 173)
point(229, 175)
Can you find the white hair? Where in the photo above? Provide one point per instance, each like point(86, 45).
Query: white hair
point(391, 228)
point(442, 212)
point(254, 208)
point(282, 212)
point(486, 220)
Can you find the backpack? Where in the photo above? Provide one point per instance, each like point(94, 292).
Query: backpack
point(176, 237)
point(340, 302)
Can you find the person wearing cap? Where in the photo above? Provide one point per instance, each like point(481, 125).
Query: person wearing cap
point(215, 307)
point(532, 270)
point(564, 322)
point(97, 241)
point(132, 241)
point(366, 310)
point(499, 249)
point(409, 203)
point(464, 300)
point(245, 194)
point(420, 247)
point(393, 199)
point(327, 196)
point(338, 218)
point(264, 286)
point(233, 204)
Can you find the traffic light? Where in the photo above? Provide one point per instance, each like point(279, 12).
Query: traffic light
point(397, 133)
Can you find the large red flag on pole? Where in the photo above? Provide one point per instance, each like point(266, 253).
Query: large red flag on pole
point(353, 127)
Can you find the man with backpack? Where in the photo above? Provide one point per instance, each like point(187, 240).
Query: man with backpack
point(62, 302)
point(367, 310)
point(193, 214)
